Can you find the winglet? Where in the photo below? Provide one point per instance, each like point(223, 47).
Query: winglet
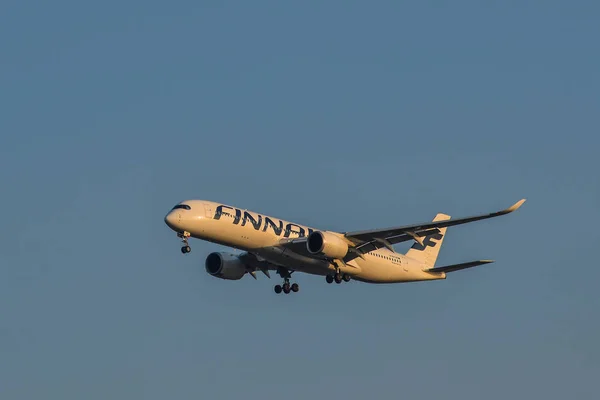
point(515, 206)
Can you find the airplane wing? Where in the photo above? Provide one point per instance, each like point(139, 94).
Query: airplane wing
point(255, 263)
point(373, 239)
point(369, 240)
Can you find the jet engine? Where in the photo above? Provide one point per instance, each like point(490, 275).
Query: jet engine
point(326, 243)
point(225, 266)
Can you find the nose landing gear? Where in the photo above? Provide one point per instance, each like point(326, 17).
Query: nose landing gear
point(184, 238)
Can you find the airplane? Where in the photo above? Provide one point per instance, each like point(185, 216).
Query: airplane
point(273, 244)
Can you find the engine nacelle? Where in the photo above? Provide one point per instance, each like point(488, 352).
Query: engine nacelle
point(327, 244)
point(225, 266)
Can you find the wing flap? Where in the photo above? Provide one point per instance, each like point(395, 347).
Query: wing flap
point(458, 267)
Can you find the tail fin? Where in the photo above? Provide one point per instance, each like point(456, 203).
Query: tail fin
point(427, 252)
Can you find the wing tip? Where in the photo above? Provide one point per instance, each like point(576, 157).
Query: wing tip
point(516, 206)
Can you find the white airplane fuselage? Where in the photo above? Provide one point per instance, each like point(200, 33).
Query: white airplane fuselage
point(262, 235)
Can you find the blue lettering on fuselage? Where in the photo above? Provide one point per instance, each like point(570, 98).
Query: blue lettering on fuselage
point(256, 223)
point(289, 231)
point(276, 228)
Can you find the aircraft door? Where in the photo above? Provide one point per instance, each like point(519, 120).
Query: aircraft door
point(208, 210)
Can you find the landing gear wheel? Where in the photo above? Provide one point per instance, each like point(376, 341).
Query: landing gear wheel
point(184, 238)
point(346, 278)
point(277, 289)
point(338, 278)
point(329, 279)
point(286, 287)
point(295, 287)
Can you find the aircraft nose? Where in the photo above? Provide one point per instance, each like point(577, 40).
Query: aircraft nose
point(172, 219)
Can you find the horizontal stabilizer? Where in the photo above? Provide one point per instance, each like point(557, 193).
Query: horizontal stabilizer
point(458, 267)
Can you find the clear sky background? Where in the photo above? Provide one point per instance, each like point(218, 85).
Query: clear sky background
point(342, 115)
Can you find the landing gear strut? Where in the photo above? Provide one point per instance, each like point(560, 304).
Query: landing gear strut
point(286, 287)
point(184, 238)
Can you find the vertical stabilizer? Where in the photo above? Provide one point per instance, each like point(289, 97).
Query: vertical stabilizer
point(427, 253)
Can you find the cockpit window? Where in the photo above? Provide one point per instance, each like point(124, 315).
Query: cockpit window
point(184, 206)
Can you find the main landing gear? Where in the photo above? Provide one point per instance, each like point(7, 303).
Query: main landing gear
point(338, 278)
point(286, 287)
point(184, 238)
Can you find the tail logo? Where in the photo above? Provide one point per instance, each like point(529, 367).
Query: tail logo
point(428, 242)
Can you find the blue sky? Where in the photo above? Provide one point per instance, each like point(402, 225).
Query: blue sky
point(338, 114)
